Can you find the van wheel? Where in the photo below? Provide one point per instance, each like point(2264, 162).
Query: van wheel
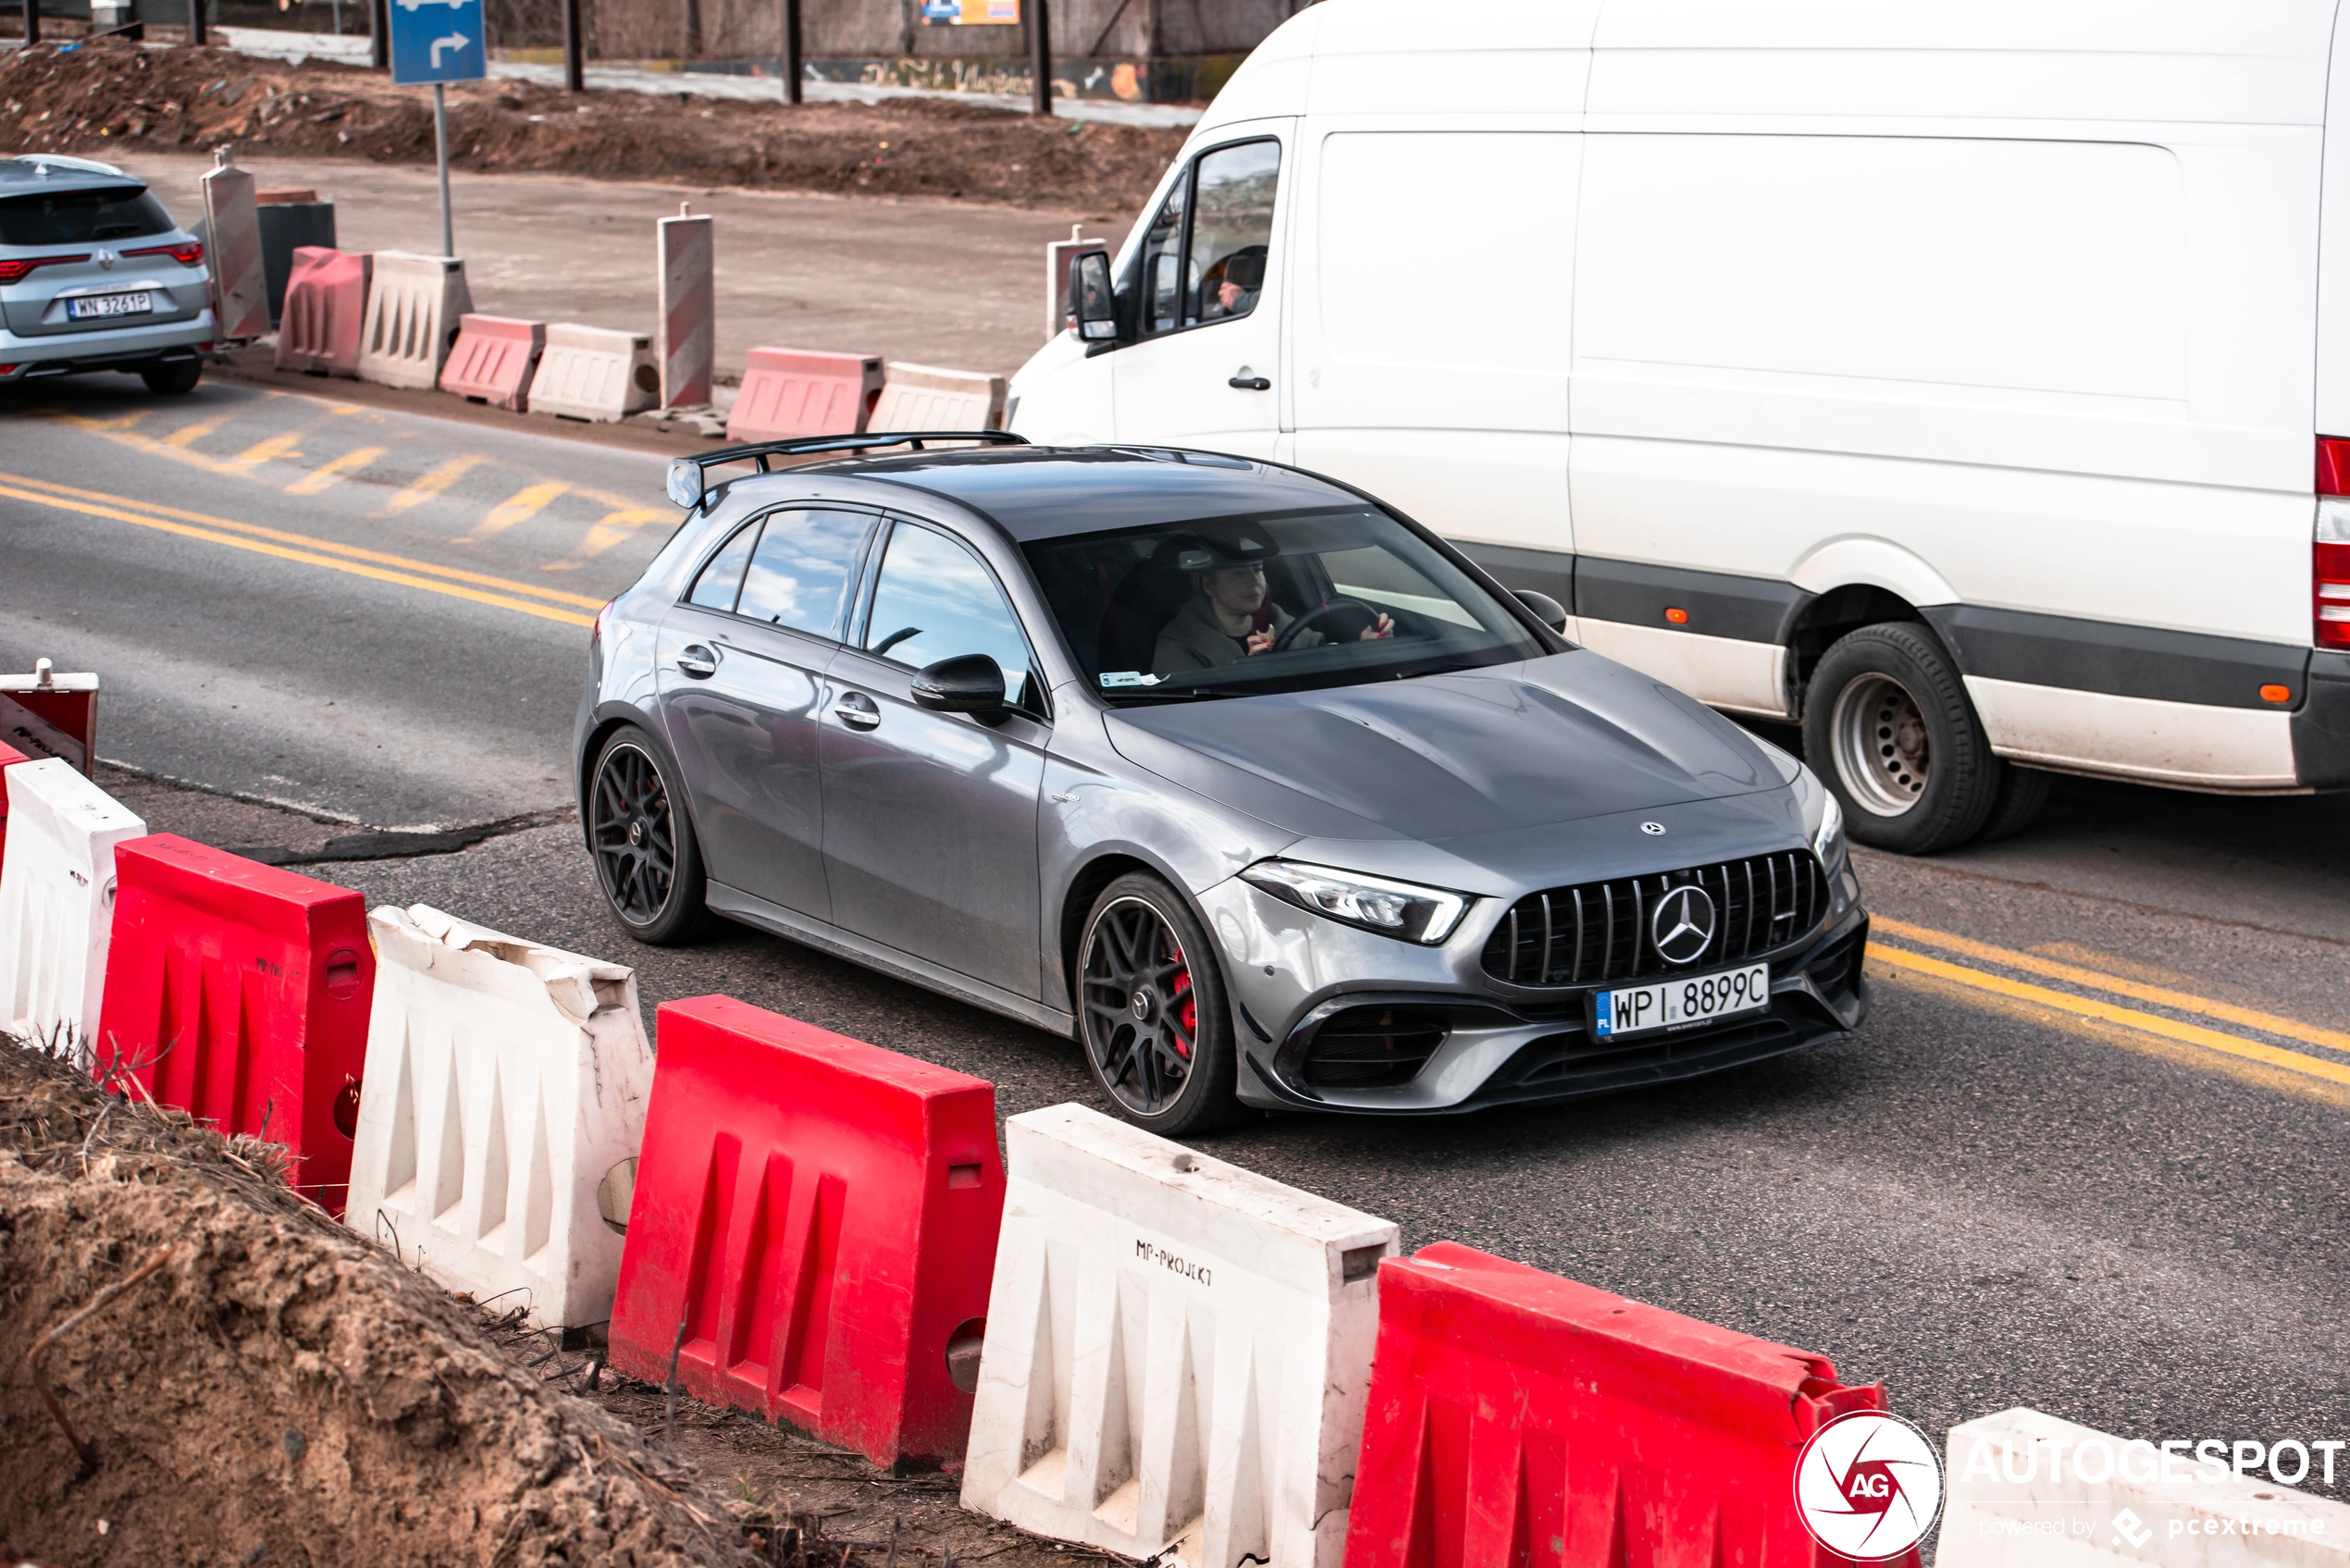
point(173, 376)
point(2023, 791)
point(1888, 725)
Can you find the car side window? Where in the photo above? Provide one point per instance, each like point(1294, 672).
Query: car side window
point(935, 600)
point(721, 579)
point(1232, 231)
point(801, 572)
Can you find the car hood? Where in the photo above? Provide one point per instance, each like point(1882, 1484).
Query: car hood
point(1468, 754)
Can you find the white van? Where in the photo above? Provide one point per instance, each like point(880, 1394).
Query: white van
point(1946, 378)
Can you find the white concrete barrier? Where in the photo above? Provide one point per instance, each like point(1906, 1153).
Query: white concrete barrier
point(923, 397)
point(589, 373)
point(505, 1083)
point(56, 902)
point(1178, 1352)
point(232, 243)
point(413, 304)
point(2027, 1490)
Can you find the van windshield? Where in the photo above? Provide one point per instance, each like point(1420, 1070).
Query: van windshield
point(81, 218)
point(1283, 601)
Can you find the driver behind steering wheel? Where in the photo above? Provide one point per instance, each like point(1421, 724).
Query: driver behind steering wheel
point(1229, 617)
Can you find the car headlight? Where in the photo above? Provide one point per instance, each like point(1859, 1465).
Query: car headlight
point(1401, 909)
point(1824, 818)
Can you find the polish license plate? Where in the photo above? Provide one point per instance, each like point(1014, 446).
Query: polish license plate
point(1679, 1003)
point(92, 305)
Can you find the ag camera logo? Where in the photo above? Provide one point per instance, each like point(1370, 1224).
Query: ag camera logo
point(1868, 1486)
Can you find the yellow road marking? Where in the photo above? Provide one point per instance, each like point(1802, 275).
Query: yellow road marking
point(2127, 1039)
point(2162, 996)
point(329, 474)
point(2088, 1007)
point(434, 482)
point(269, 451)
point(307, 557)
point(189, 435)
point(106, 505)
point(520, 507)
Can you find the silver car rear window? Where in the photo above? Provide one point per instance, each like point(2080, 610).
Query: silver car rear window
point(81, 218)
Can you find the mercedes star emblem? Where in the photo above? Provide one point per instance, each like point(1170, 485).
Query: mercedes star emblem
point(1654, 830)
point(1682, 927)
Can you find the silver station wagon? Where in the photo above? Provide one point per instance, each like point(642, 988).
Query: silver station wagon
point(95, 275)
point(1262, 792)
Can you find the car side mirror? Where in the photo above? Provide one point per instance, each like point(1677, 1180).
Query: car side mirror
point(1547, 611)
point(969, 683)
point(1091, 302)
point(685, 482)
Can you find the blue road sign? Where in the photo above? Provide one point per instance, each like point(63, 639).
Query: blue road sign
point(437, 41)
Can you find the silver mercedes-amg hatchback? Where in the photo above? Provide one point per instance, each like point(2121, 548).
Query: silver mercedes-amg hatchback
point(1261, 791)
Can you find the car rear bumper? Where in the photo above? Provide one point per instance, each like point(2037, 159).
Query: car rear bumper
point(114, 347)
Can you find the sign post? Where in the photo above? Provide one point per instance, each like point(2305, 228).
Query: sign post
point(439, 41)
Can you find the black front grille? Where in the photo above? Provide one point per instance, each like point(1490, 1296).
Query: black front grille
point(1597, 933)
point(1373, 1048)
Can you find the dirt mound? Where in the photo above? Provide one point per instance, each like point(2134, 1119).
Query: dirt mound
point(110, 94)
point(276, 1390)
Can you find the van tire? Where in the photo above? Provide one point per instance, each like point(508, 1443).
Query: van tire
point(1888, 726)
point(2023, 791)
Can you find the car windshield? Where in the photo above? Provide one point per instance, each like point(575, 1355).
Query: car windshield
point(1281, 602)
point(81, 218)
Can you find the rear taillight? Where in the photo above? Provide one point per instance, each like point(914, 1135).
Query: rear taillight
point(2329, 553)
point(188, 254)
point(15, 269)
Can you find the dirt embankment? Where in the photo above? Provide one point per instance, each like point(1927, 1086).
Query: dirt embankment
point(277, 1390)
point(112, 95)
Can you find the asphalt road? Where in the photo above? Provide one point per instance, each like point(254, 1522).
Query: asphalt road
point(2087, 1155)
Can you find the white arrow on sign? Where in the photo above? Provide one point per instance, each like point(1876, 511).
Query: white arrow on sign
point(411, 5)
point(455, 41)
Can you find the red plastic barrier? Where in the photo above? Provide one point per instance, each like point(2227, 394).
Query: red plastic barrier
point(817, 1218)
point(789, 392)
point(1519, 1418)
point(240, 993)
point(493, 359)
point(326, 306)
point(46, 714)
point(9, 758)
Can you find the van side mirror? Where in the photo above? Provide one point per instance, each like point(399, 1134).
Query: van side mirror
point(1547, 611)
point(1091, 302)
point(969, 683)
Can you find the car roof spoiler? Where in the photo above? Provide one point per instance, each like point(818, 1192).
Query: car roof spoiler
point(687, 475)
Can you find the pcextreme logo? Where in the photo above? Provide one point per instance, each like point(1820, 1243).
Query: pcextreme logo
point(1868, 1486)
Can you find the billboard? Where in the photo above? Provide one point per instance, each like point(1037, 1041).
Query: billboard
point(971, 13)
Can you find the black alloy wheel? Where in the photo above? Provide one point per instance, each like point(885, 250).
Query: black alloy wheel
point(1151, 1010)
point(645, 858)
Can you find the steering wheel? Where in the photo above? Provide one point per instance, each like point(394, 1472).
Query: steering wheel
point(1289, 633)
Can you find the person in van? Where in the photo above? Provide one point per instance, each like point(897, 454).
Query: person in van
point(1233, 284)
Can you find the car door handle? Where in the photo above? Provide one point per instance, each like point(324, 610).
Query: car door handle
point(857, 711)
point(1250, 384)
point(698, 660)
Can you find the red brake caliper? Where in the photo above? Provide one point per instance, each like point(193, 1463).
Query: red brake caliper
point(1186, 1011)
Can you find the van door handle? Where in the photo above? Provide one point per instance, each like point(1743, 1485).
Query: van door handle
point(857, 711)
point(1250, 384)
point(696, 661)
